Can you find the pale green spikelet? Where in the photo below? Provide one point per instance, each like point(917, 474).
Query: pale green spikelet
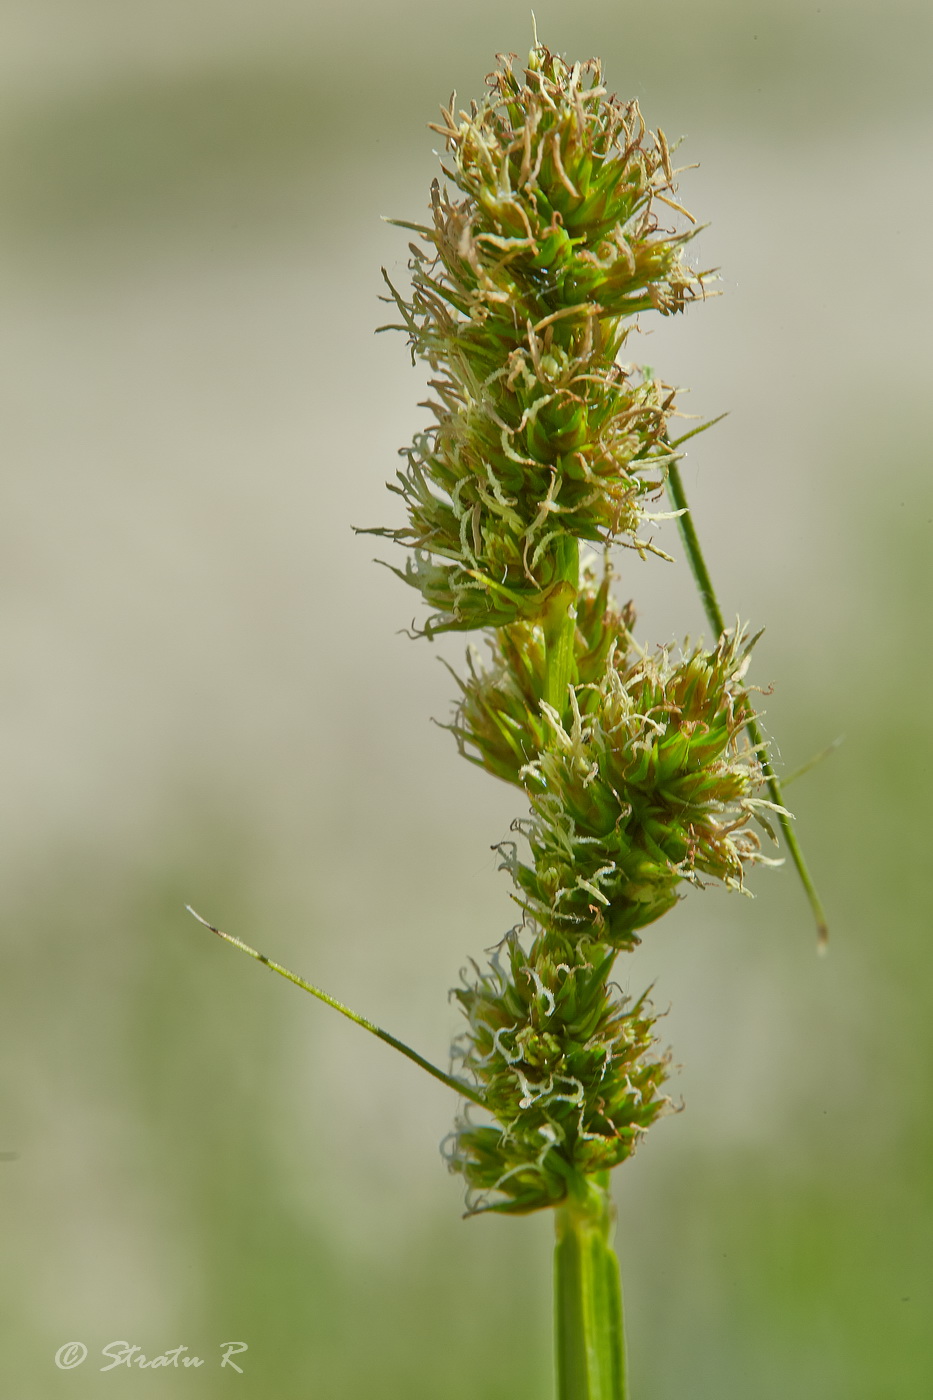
point(650, 785)
point(521, 302)
point(500, 723)
point(566, 1068)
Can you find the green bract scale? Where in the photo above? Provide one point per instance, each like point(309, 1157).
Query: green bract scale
point(525, 286)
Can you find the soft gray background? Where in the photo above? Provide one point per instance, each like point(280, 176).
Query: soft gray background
point(205, 698)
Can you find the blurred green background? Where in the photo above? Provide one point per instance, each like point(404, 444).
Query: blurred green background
point(205, 698)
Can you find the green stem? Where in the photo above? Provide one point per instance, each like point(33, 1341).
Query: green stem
point(589, 1332)
point(560, 627)
point(457, 1084)
point(714, 615)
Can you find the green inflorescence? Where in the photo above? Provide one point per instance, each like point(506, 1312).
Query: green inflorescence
point(638, 778)
point(565, 1066)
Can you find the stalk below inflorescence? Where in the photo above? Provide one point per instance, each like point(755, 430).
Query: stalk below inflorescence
point(588, 1321)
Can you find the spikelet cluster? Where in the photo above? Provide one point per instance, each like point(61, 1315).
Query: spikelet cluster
point(649, 787)
point(525, 284)
point(566, 1067)
point(522, 296)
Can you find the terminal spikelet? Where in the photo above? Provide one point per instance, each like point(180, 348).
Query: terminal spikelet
point(522, 297)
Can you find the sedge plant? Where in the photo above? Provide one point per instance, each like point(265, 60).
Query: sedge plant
point(641, 772)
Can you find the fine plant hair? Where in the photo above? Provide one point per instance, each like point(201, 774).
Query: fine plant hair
point(640, 772)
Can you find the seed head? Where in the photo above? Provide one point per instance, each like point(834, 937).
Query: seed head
point(567, 1068)
point(525, 284)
